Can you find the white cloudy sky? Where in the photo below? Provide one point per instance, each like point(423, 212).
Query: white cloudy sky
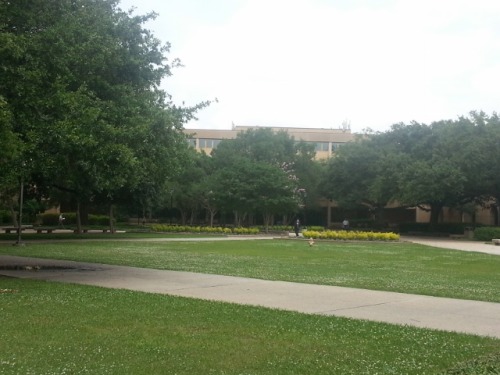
point(318, 63)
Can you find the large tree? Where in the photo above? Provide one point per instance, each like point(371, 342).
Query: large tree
point(451, 166)
point(436, 184)
point(258, 172)
point(11, 168)
point(445, 164)
point(422, 179)
point(249, 187)
point(486, 152)
point(363, 173)
point(82, 82)
point(192, 188)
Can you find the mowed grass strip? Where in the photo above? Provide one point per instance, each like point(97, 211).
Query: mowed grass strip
point(400, 267)
point(55, 328)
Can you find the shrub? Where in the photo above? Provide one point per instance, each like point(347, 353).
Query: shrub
point(351, 235)
point(486, 233)
point(99, 220)
point(277, 228)
point(198, 229)
point(289, 228)
point(361, 223)
point(316, 228)
point(50, 219)
point(449, 228)
point(5, 217)
point(241, 230)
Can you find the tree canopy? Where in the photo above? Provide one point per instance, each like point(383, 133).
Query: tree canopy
point(257, 173)
point(80, 91)
point(449, 163)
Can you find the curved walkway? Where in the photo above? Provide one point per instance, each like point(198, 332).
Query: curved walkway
point(472, 317)
point(463, 245)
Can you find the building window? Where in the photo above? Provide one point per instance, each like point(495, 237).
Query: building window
point(321, 146)
point(192, 142)
point(208, 143)
point(336, 146)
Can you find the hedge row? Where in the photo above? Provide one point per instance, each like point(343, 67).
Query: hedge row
point(5, 217)
point(351, 235)
point(328, 234)
point(70, 219)
point(486, 233)
point(449, 228)
point(199, 229)
point(289, 228)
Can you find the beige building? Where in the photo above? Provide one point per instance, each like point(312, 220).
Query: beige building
point(326, 141)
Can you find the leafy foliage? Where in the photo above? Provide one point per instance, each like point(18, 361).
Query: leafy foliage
point(202, 229)
point(259, 172)
point(70, 219)
point(486, 233)
point(351, 235)
point(80, 90)
point(447, 163)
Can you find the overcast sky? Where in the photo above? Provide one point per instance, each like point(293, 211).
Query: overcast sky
point(319, 63)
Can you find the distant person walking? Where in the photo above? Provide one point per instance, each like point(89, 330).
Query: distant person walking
point(345, 224)
point(296, 227)
point(61, 220)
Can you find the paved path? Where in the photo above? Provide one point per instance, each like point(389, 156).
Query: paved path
point(463, 245)
point(473, 317)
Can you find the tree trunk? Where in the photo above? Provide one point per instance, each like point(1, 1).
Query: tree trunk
point(111, 219)
point(184, 216)
point(267, 221)
point(379, 214)
point(193, 214)
point(84, 213)
point(212, 215)
point(78, 218)
point(13, 214)
point(435, 212)
point(495, 210)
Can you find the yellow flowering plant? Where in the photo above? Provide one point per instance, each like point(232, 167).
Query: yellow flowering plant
point(351, 235)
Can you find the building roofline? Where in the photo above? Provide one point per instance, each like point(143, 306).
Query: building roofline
point(240, 128)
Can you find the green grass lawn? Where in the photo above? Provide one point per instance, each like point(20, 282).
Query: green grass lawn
point(54, 328)
point(399, 267)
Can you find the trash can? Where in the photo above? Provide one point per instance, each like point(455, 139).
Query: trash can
point(469, 233)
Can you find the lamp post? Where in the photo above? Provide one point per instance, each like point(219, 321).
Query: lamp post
point(171, 204)
point(303, 196)
point(20, 222)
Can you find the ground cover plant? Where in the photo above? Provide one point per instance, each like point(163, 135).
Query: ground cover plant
point(202, 229)
point(486, 233)
point(312, 232)
point(401, 267)
point(55, 328)
point(30, 237)
point(351, 235)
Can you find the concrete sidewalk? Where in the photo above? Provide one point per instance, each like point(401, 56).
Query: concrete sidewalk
point(472, 317)
point(462, 245)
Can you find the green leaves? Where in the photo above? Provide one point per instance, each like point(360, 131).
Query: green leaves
point(447, 163)
point(81, 91)
point(260, 172)
point(429, 182)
